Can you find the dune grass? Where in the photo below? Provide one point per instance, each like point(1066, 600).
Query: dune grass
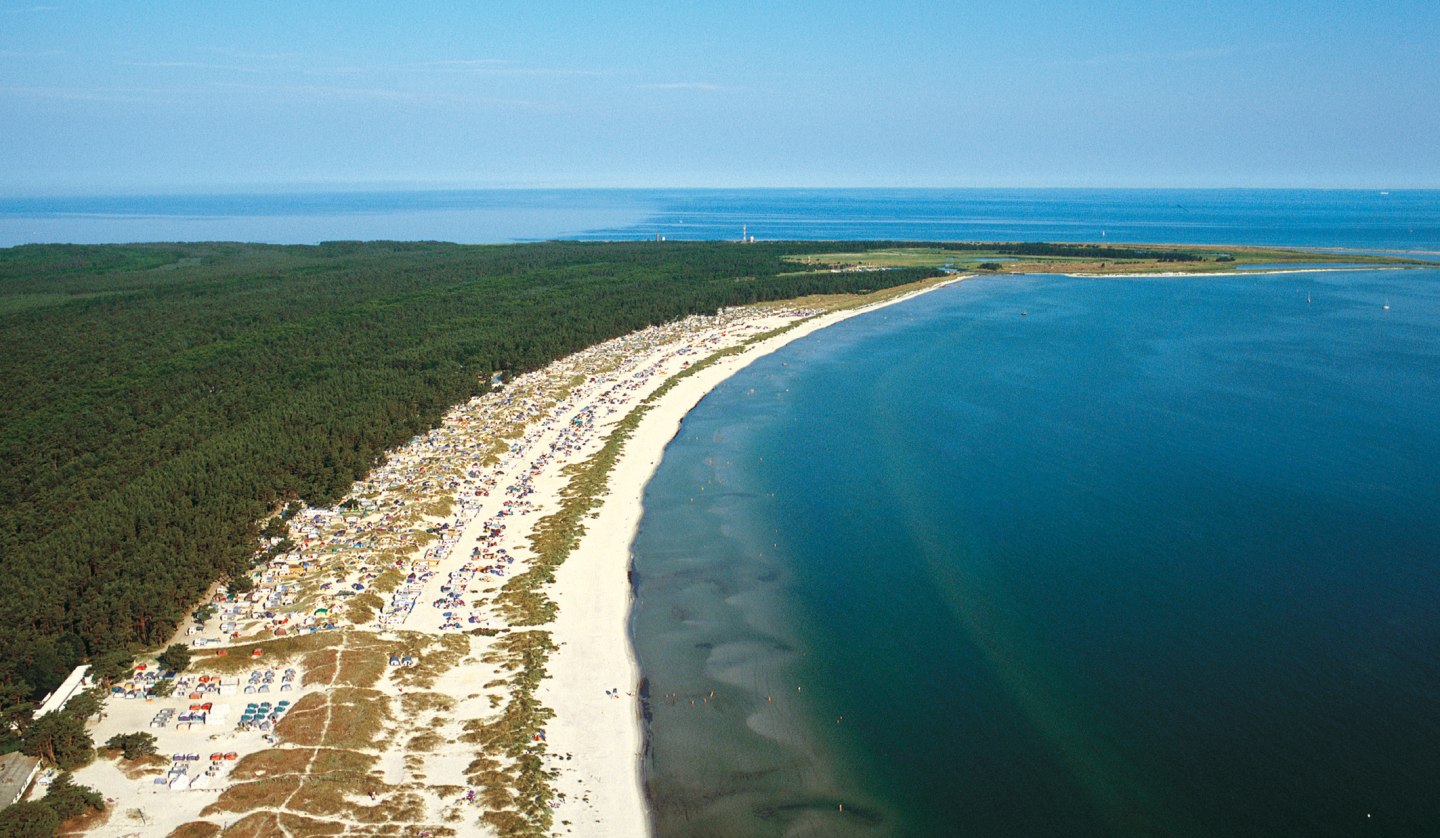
point(195, 829)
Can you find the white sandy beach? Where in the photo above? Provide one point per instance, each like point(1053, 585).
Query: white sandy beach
point(594, 590)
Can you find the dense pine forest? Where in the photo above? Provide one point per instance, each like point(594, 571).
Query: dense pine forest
point(159, 400)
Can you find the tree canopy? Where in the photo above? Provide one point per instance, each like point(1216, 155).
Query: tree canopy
point(132, 745)
point(162, 402)
point(175, 657)
point(30, 819)
point(61, 739)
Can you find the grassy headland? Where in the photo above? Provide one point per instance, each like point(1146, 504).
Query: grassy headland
point(1044, 257)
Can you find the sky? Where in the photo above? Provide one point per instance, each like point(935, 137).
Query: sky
point(131, 97)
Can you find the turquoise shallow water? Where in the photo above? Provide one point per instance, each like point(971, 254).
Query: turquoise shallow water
point(1158, 557)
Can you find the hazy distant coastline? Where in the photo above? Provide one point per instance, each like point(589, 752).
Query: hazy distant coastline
point(1359, 219)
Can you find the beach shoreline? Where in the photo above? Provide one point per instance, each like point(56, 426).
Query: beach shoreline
point(596, 654)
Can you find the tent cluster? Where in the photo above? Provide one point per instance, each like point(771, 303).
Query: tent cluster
point(405, 519)
point(177, 777)
point(141, 683)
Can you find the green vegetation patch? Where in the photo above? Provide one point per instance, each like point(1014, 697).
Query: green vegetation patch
point(513, 785)
point(281, 650)
point(304, 723)
point(361, 609)
point(425, 741)
point(267, 792)
point(357, 718)
point(387, 581)
point(195, 829)
point(436, 657)
point(320, 667)
point(415, 703)
point(274, 762)
point(361, 667)
point(1048, 257)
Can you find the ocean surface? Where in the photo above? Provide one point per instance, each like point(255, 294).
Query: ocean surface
point(1362, 219)
point(1052, 556)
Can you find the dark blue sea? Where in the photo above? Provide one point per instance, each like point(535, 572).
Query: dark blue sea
point(1363, 219)
point(1053, 556)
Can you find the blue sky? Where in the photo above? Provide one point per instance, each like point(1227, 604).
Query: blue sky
point(104, 97)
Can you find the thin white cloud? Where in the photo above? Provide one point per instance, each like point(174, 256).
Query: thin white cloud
point(31, 9)
point(245, 55)
point(338, 70)
point(684, 85)
point(379, 94)
point(543, 71)
point(502, 70)
point(462, 62)
point(192, 65)
point(329, 66)
point(79, 94)
point(492, 67)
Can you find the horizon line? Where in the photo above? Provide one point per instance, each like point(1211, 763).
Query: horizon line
point(401, 187)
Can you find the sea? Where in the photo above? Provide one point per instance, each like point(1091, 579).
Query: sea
point(1029, 556)
point(1059, 556)
point(1359, 219)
